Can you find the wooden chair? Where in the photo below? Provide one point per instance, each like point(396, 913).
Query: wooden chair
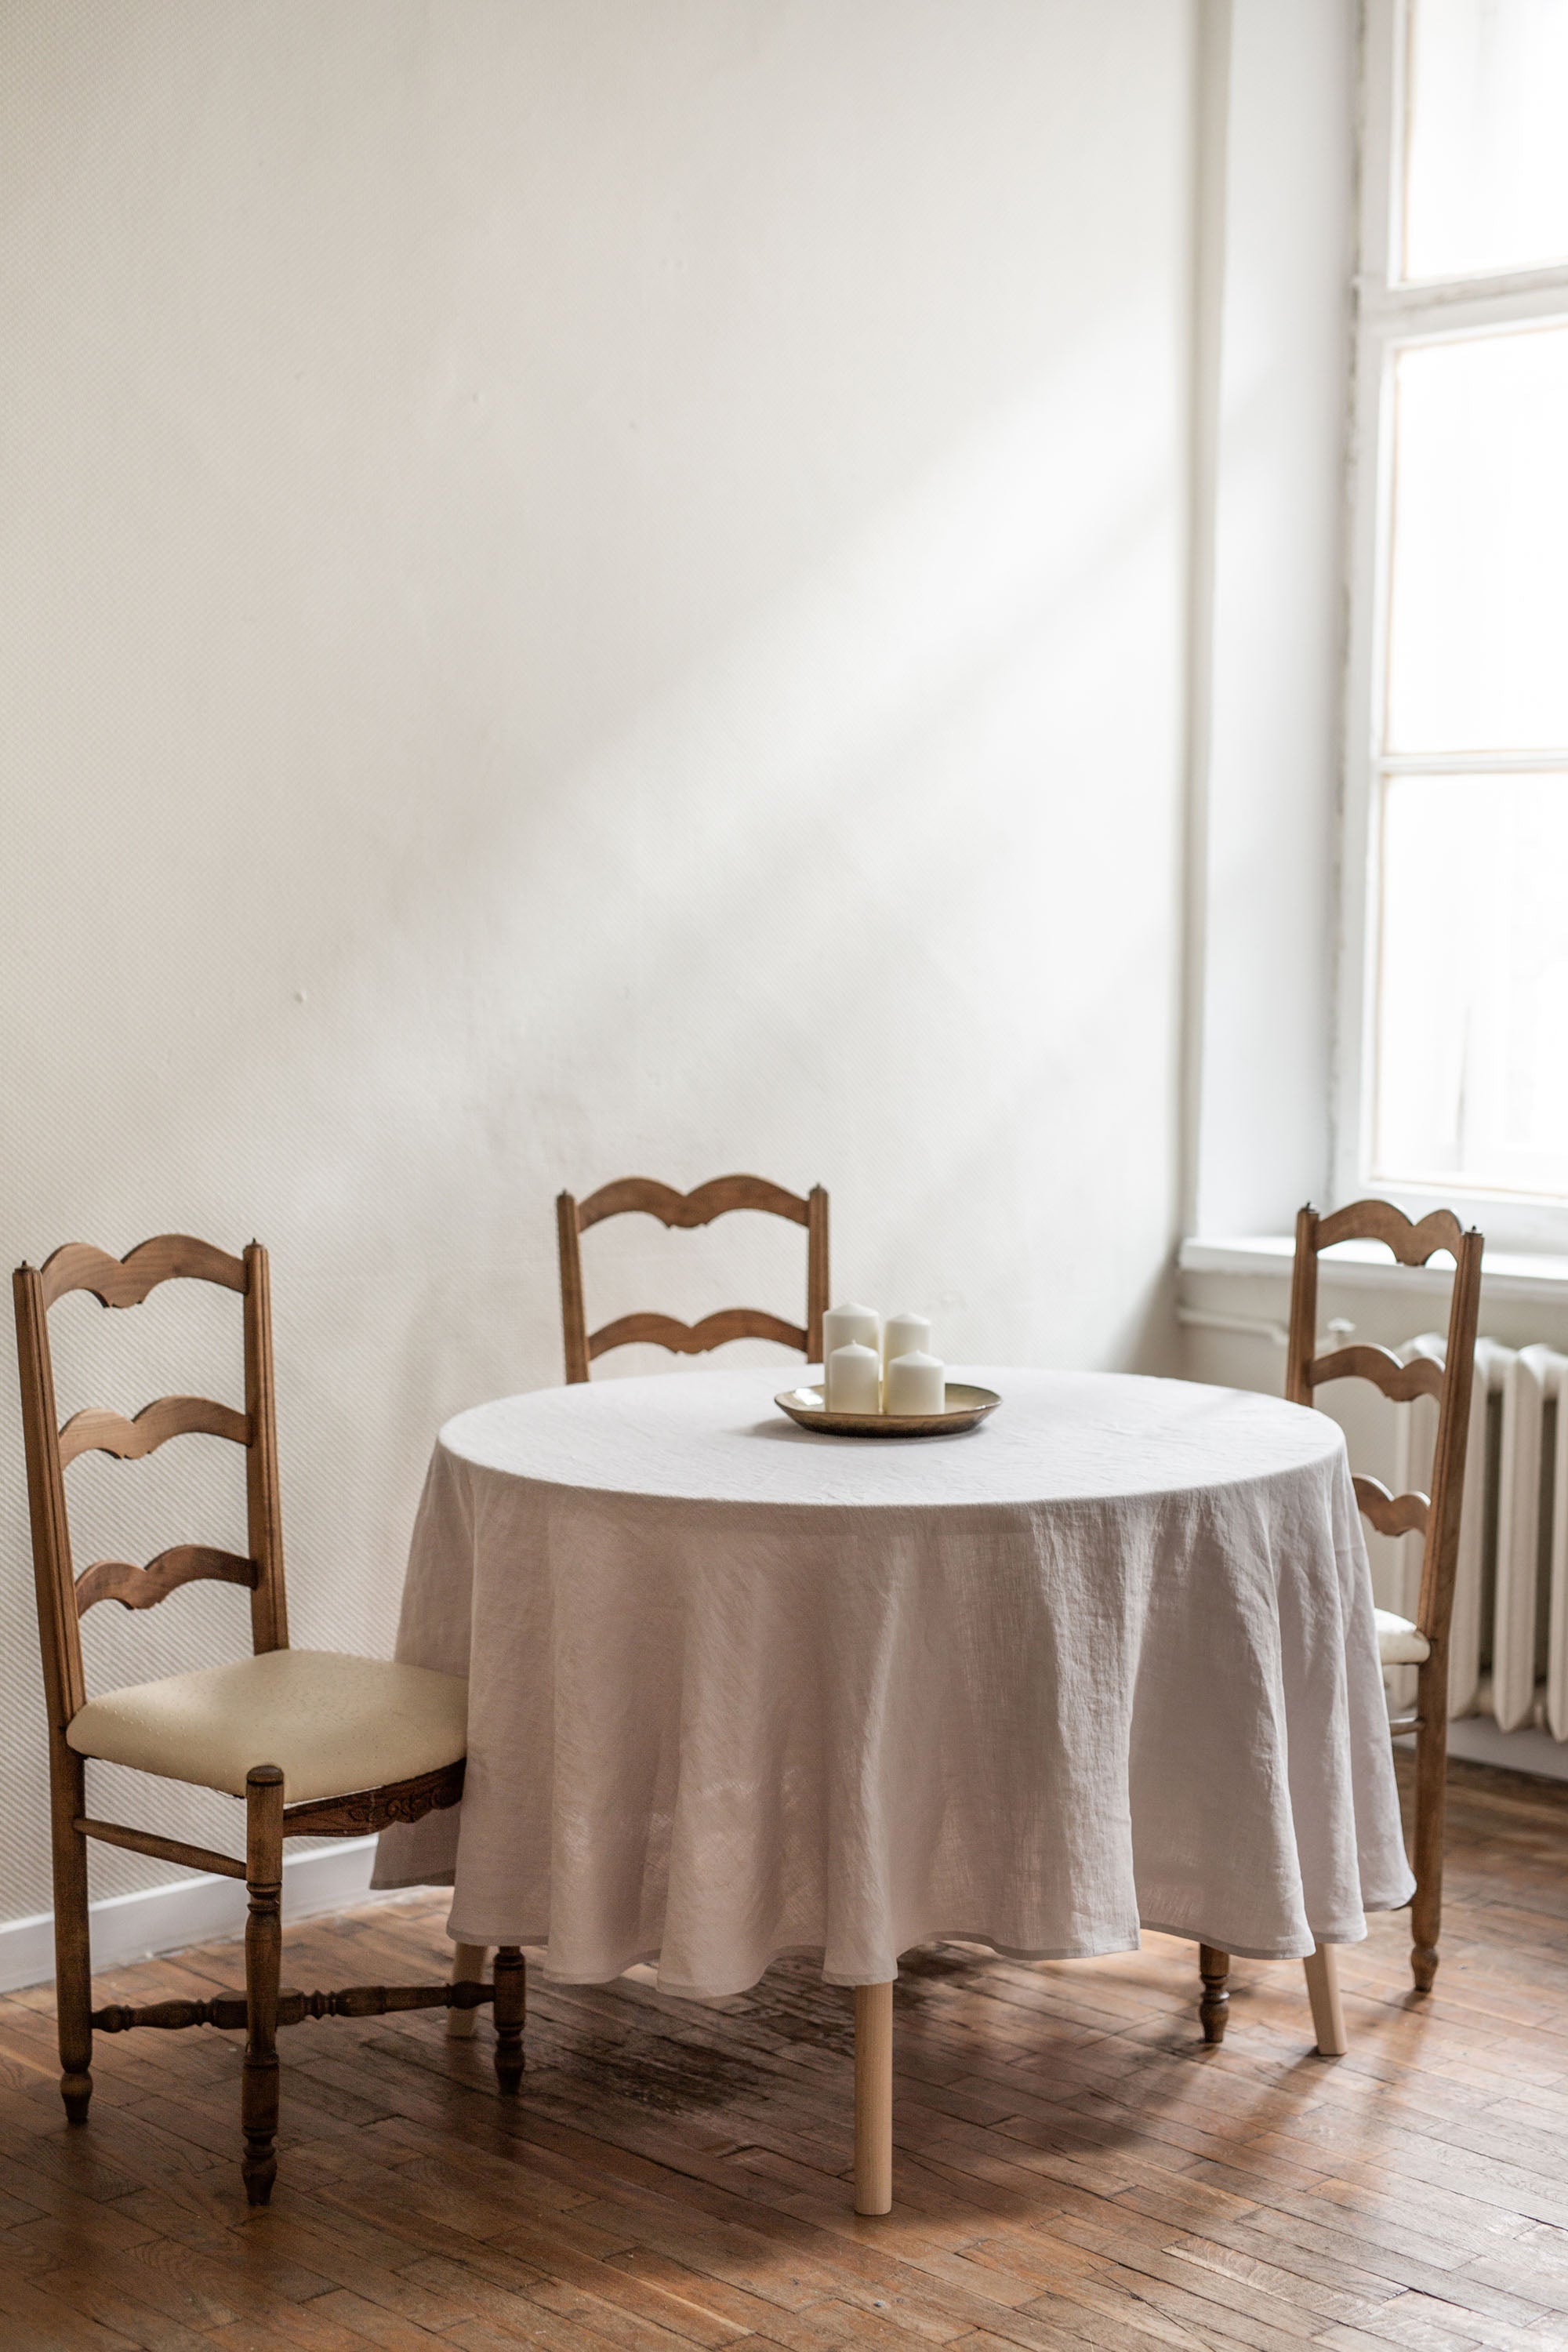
point(1423, 1641)
point(716, 1199)
point(317, 1744)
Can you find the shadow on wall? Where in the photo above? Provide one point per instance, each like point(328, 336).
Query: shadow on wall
point(590, 606)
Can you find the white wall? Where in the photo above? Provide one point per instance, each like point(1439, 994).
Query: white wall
point(587, 588)
point(1273, 767)
point(1265, 800)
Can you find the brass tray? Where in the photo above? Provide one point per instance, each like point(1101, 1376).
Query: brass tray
point(965, 1406)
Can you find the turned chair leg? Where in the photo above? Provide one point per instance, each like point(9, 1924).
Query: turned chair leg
point(263, 1966)
point(1431, 1807)
point(1213, 1968)
point(874, 2098)
point(1328, 2010)
point(468, 1968)
point(73, 1951)
point(511, 2011)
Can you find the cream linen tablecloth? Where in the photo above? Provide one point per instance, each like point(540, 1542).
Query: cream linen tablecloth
point(736, 1690)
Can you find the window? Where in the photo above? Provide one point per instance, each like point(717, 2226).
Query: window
point(1454, 1040)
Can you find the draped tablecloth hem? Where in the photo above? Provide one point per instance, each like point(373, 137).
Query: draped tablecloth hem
point(536, 1937)
point(1284, 1947)
point(1351, 1928)
point(877, 1973)
point(1098, 1948)
point(390, 1882)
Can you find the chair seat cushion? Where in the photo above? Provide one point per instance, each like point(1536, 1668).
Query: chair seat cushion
point(1398, 1643)
point(335, 1724)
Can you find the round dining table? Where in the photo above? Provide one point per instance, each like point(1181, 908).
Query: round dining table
point(738, 1688)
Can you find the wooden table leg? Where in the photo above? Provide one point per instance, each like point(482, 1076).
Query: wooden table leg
point(1213, 1968)
point(1328, 2010)
point(468, 1968)
point(874, 2098)
point(511, 2013)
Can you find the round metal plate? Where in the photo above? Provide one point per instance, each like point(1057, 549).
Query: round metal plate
point(965, 1406)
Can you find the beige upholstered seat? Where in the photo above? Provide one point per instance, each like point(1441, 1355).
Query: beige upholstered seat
point(335, 1724)
point(1399, 1643)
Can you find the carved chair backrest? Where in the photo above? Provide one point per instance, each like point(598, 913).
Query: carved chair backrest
point(64, 1598)
point(716, 1199)
point(1434, 1518)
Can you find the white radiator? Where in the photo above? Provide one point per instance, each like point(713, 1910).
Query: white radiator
point(1509, 1641)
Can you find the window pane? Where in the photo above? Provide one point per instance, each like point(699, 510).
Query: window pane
point(1472, 1061)
point(1486, 184)
point(1478, 591)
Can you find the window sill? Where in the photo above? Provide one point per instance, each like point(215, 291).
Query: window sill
point(1365, 1265)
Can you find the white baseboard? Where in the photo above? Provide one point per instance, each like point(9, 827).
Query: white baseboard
point(1478, 1740)
point(128, 1928)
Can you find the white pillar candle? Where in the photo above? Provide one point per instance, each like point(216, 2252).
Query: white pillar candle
point(849, 1327)
point(904, 1335)
point(915, 1383)
point(854, 1383)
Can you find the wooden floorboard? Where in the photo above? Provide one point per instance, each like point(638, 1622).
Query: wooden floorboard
point(1073, 2169)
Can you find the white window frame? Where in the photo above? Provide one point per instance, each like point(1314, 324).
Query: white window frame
point(1389, 315)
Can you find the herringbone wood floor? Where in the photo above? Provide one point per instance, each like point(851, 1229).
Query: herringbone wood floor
point(1073, 2168)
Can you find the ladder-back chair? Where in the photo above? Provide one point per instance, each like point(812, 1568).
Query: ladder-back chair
point(573, 1219)
point(1420, 1641)
point(316, 1743)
